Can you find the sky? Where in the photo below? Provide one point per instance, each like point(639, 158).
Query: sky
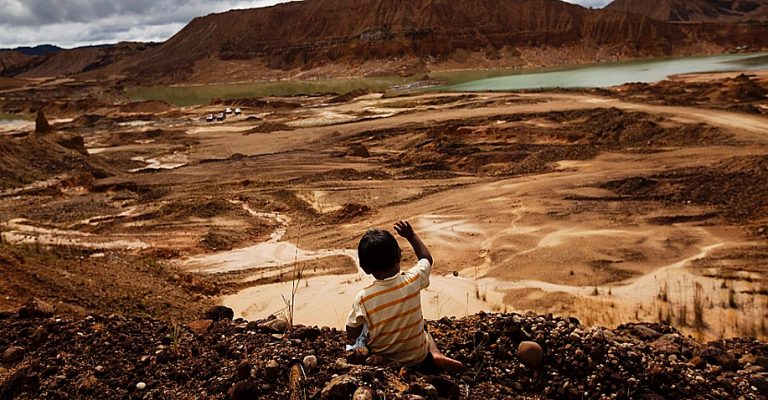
point(73, 23)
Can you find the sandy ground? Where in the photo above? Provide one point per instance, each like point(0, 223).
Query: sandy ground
point(249, 208)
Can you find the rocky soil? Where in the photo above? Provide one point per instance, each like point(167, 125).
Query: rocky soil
point(111, 356)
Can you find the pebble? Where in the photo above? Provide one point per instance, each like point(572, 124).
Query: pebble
point(13, 354)
point(141, 386)
point(531, 354)
point(310, 362)
point(363, 393)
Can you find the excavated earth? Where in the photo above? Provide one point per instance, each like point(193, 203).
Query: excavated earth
point(639, 205)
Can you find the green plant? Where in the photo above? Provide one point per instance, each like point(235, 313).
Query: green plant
point(176, 338)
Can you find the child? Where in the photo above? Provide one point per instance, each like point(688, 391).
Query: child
point(390, 308)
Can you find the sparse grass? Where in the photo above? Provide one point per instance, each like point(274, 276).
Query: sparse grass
point(176, 338)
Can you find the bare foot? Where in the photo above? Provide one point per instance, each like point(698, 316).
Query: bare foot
point(448, 364)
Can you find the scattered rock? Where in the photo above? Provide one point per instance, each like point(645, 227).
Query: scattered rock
point(310, 362)
point(246, 390)
point(35, 308)
point(13, 355)
point(200, 326)
point(531, 354)
point(244, 369)
point(274, 326)
point(445, 387)
point(363, 393)
point(716, 355)
point(219, 313)
point(18, 382)
point(747, 359)
point(341, 387)
point(141, 386)
point(644, 332)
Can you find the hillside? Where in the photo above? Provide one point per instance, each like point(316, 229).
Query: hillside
point(71, 62)
point(10, 59)
point(695, 10)
point(309, 35)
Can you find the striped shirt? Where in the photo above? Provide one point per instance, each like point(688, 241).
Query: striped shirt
point(392, 310)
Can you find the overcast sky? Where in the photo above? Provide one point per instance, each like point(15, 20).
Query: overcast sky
point(72, 23)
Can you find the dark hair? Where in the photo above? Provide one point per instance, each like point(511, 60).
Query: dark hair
point(378, 251)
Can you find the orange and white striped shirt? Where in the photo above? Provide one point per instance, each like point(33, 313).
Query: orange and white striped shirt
point(392, 310)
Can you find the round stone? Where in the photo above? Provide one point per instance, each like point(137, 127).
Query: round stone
point(531, 354)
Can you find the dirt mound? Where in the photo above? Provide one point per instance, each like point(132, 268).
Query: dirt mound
point(741, 93)
point(739, 89)
point(144, 107)
point(33, 158)
point(349, 96)
point(256, 102)
point(518, 146)
point(347, 213)
point(118, 357)
point(78, 283)
point(268, 127)
point(618, 128)
point(735, 187)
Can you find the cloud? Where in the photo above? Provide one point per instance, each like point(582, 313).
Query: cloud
point(72, 23)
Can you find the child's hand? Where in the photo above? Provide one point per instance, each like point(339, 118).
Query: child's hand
point(404, 229)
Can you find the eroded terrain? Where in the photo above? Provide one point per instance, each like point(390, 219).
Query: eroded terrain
point(609, 207)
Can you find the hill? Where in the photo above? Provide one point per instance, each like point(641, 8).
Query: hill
point(320, 38)
point(370, 37)
point(695, 10)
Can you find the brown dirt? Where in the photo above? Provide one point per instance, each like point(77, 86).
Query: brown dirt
point(503, 187)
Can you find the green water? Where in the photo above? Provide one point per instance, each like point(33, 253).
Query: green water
point(612, 74)
point(593, 75)
point(195, 95)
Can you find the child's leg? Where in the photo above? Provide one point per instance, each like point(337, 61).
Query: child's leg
point(441, 360)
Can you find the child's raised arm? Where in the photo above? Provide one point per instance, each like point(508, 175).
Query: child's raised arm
point(404, 229)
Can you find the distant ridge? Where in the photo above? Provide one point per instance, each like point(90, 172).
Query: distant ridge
point(695, 10)
point(41, 50)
